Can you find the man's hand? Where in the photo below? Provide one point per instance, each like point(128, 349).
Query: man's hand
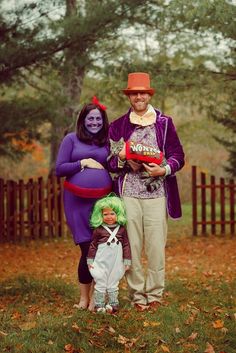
point(154, 169)
point(134, 165)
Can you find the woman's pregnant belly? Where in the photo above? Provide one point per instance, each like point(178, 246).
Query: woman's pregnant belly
point(90, 183)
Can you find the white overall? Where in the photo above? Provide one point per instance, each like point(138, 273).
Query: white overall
point(108, 266)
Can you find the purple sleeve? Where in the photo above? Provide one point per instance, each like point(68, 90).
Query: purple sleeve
point(64, 166)
point(174, 152)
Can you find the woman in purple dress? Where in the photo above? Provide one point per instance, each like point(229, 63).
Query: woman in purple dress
point(82, 160)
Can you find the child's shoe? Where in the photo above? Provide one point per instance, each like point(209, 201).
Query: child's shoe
point(109, 308)
point(100, 310)
point(112, 309)
point(115, 309)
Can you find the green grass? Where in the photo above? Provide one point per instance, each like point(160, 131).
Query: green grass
point(38, 316)
point(183, 226)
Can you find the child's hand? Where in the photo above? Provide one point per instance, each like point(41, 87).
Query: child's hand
point(127, 267)
point(90, 266)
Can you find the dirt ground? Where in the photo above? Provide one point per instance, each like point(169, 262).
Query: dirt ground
point(185, 257)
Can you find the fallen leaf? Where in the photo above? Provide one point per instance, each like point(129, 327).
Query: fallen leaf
point(69, 348)
point(127, 349)
point(164, 348)
point(16, 315)
point(218, 324)
point(151, 323)
point(177, 330)
point(190, 346)
point(209, 348)
point(96, 343)
point(192, 336)
point(224, 330)
point(76, 306)
point(111, 329)
point(3, 333)
point(27, 325)
point(127, 342)
point(76, 328)
point(122, 339)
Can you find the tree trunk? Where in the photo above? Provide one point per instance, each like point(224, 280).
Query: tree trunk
point(72, 77)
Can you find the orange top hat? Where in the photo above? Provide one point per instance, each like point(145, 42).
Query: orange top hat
point(138, 82)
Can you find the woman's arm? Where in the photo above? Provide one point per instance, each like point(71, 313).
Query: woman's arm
point(64, 166)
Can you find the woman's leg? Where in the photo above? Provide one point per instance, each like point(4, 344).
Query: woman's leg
point(85, 278)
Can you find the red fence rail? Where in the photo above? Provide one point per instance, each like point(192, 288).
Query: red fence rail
point(213, 204)
point(32, 209)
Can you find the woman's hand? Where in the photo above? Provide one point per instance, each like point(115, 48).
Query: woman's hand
point(91, 163)
point(154, 169)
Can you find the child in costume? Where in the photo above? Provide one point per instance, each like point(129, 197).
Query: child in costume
point(109, 255)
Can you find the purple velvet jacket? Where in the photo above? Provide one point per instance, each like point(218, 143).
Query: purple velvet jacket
point(168, 143)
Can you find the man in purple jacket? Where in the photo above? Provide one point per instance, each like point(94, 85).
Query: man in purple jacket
point(146, 208)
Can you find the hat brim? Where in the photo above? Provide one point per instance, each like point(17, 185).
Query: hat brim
point(128, 91)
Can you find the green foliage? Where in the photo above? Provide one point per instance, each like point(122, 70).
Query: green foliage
point(63, 49)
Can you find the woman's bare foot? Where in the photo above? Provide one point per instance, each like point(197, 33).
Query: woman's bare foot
point(91, 306)
point(83, 304)
point(84, 296)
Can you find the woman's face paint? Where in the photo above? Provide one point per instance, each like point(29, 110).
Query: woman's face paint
point(93, 121)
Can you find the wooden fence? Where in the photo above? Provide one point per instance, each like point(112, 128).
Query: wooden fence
point(34, 209)
point(213, 204)
point(31, 210)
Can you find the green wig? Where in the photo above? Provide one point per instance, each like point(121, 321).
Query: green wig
point(111, 201)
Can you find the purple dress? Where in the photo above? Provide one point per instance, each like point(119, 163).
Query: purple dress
point(78, 209)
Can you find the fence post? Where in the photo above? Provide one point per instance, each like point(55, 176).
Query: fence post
point(22, 208)
point(2, 210)
point(14, 210)
point(49, 206)
point(10, 208)
point(203, 202)
point(222, 205)
point(60, 206)
point(30, 207)
point(55, 204)
point(232, 206)
point(194, 199)
point(41, 208)
point(213, 205)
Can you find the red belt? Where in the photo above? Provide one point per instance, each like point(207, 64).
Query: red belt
point(87, 192)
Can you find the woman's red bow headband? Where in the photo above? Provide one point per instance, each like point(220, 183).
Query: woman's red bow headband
point(96, 102)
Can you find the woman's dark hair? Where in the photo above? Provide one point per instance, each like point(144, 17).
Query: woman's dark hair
point(100, 138)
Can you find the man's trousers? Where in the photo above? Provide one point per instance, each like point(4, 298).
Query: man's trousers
point(147, 228)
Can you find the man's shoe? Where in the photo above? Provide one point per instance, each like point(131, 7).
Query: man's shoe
point(153, 306)
point(140, 307)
